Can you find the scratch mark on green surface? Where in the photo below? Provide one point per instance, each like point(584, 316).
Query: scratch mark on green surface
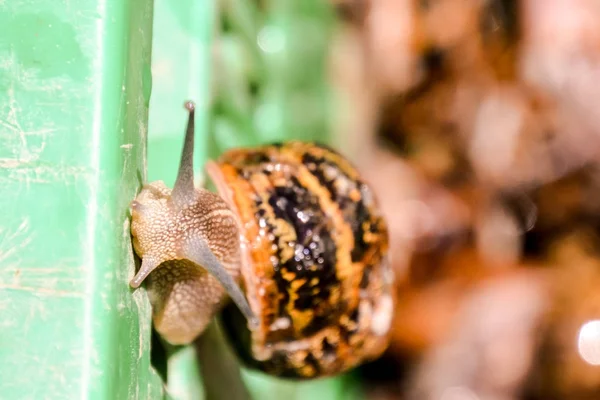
point(41, 291)
point(12, 114)
point(19, 146)
point(13, 242)
point(46, 174)
point(49, 271)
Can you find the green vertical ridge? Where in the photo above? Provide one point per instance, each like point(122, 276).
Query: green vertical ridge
point(74, 88)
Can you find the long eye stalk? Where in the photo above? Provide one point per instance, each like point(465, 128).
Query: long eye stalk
point(197, 250)
point(183, 191)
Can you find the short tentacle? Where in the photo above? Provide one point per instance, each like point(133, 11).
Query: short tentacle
point(149, 264)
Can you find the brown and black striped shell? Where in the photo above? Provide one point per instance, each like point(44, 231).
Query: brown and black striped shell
point(315, 270)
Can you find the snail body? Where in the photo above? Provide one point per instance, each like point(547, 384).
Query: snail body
point(293, 225)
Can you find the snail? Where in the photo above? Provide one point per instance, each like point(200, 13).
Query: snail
point(293, 237)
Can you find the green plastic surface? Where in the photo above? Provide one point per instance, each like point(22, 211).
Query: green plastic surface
point(75, 83)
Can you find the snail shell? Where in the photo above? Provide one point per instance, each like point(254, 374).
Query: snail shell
point(315, 267)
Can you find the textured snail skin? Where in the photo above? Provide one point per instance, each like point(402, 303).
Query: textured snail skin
point(314, 260)
point(184, 296)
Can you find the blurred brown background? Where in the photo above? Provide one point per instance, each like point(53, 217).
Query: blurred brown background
point(478, 124)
